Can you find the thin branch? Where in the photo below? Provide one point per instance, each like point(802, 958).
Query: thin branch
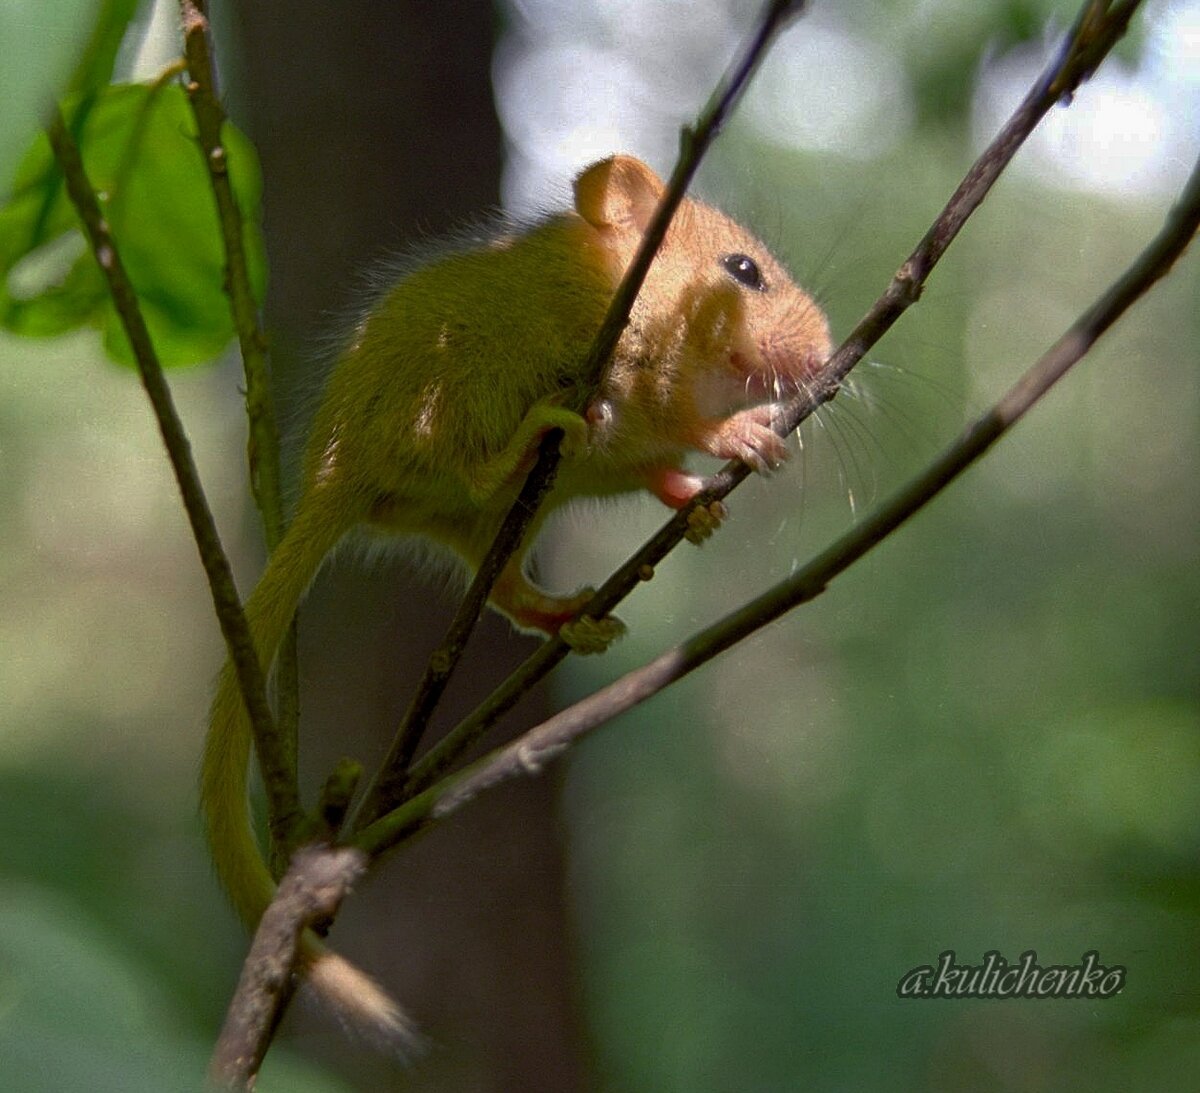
point(263, 451)
point(212, 556)
point(385, 792)
point(262, 447)
point(1095, 32)
point(394, 781)
point(311, 892)
point(694, 142)
point(529, 753)
point(336, 795)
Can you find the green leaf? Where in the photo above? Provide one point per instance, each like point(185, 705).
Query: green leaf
point(141, 153)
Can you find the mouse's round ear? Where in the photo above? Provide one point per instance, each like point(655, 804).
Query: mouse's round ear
point(618, 192)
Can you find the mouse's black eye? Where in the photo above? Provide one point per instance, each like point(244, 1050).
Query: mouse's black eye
point(744, 270)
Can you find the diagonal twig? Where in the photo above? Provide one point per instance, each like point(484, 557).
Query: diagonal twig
point(212, 555)
point(694, 142)
point(393, 771)
point(310, 892)
point(210, 118)
point(1096, 30)
point(531, 751)
point(262, 449)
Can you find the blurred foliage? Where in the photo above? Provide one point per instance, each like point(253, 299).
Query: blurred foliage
point(91, 999)
point(44, 41)
point(943, 44)
point(140, 149)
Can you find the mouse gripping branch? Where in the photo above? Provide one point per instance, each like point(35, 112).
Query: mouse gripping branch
point(395, 780)
point(1097, 29)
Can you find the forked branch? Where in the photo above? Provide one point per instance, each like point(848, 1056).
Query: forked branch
point(309, 893)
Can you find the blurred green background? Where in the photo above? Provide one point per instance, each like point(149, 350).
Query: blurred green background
point(984, 736)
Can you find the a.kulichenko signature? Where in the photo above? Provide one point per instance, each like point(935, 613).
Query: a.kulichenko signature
point(995, 977)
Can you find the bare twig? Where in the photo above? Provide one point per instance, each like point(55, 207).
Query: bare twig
point(529, 753)
point(262, 451)
point(311, 891)
point(384, 794)
point(395, 782)
point(1096, 31)
point(212, 556)
point(336, 795)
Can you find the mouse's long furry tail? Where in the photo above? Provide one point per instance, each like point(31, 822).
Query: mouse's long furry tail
point(358, 1001)
point(354, 996)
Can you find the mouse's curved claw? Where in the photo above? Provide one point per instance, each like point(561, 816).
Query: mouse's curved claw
point(748, 435)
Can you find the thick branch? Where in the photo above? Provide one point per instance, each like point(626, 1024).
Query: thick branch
point(529, 753)
point(1096, 31)
point(212, 556)
point(311, 892)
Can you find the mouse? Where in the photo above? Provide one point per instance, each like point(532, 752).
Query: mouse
point(434, 410)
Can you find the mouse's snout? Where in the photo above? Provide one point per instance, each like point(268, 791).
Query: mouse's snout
point(795, 359)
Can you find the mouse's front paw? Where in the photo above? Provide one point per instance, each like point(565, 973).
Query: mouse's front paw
point(576, 442)
point(748, 436)
point(586, 635)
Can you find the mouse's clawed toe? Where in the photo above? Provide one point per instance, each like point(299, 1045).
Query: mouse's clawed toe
point(586, 635)
point(703, 520)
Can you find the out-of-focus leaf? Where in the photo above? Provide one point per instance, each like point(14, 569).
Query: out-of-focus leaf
point(944, 48)
point(42, 40)
point(76, 1012)
point(95, 66)
point(140, 150)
